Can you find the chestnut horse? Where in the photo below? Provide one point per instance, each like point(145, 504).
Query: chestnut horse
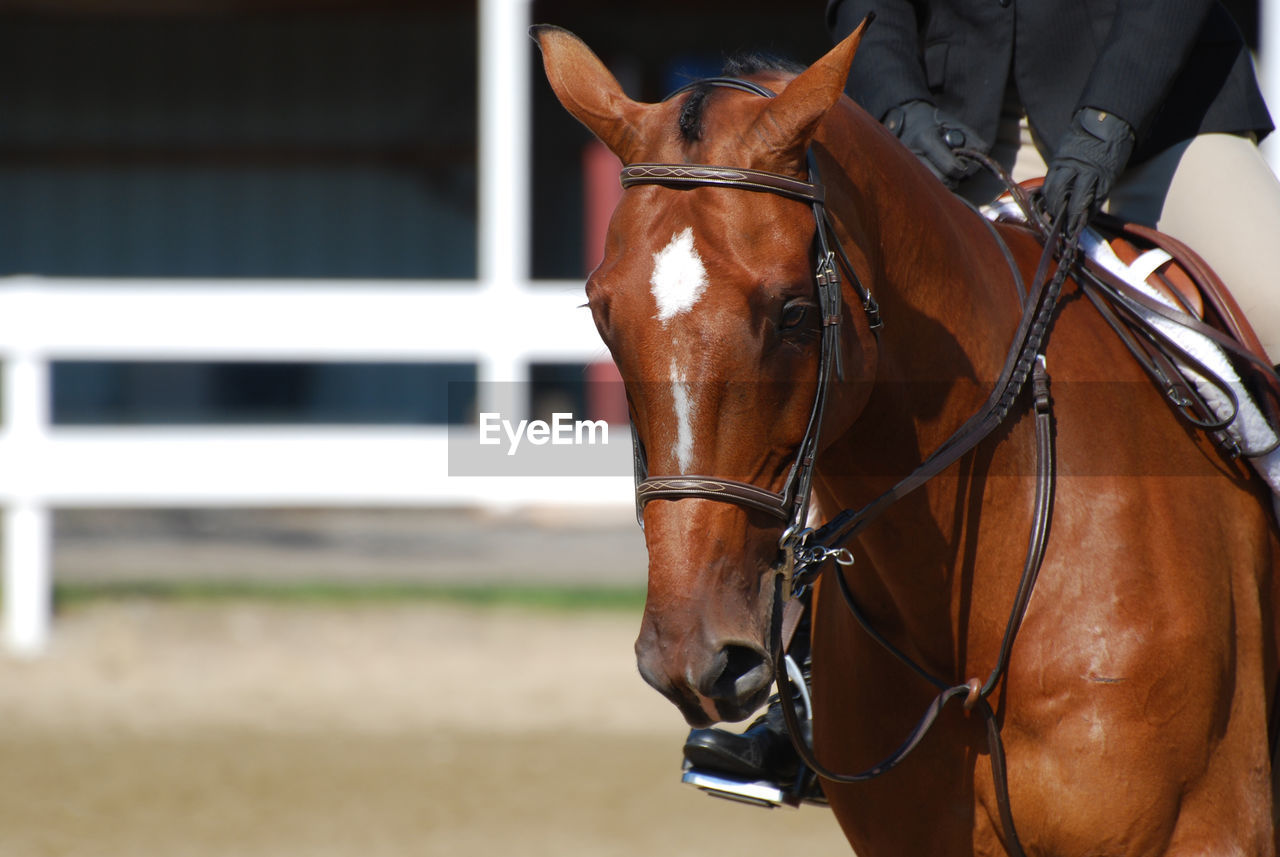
point(1135, 705)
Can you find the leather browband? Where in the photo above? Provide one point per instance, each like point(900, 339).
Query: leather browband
point(701, 175)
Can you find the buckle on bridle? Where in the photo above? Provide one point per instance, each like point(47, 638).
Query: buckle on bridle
point(791, 540)
point(801, 562)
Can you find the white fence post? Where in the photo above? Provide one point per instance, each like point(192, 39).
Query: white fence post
point(28, 583)
point(1269, 71)
point(27, 577)
point(502, 230)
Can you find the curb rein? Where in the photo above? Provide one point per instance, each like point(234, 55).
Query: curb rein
point(805, 551)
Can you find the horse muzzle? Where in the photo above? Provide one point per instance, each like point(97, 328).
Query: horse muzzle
point(724, 681)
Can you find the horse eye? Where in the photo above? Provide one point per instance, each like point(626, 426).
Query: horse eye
point(794, 314)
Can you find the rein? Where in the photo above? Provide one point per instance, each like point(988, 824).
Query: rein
point(1025, 360)
point(1024, 353)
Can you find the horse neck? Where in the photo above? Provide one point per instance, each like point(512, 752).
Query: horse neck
point(927, 256)
point(950, 308)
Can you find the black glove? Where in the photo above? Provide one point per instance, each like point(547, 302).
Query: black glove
point(1084, 169)
point(931, 135)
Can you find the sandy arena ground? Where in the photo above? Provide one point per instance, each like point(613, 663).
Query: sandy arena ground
point(252, 728)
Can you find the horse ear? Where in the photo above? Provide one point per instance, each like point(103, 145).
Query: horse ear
point(589, 92)
point(788, 122)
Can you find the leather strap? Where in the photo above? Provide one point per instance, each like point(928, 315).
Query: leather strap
point(1027, 342)
point(1025, 359)
point(705, 175)
point(974, 694)
point(713, 488)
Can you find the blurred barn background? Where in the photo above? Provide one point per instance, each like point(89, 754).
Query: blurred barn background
point(257, 257)
point(261, 255)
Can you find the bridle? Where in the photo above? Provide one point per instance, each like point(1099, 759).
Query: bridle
point(791, 505)
point(804, 550)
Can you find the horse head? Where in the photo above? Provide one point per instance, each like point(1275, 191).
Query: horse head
point(706, 299)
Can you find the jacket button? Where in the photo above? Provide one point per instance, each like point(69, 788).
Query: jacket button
point(1004, 4)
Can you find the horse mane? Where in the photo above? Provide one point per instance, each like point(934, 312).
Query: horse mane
point(742, 64)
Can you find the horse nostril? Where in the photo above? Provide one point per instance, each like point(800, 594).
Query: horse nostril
point(742, 671)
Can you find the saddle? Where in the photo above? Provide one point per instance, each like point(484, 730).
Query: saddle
point(1204, 352)
point(1186, 330)
point(1176, 271)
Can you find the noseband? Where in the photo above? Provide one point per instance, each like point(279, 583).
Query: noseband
point(791, 505)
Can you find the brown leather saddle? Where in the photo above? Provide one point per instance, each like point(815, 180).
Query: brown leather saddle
point(1188, 283)
point(1184, 277)
point(1194, 297)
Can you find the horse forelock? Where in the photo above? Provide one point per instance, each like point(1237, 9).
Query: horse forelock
point(743, 65)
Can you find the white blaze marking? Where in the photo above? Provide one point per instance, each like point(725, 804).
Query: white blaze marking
point(684, 416)
point(678, 281)
point(679, 277)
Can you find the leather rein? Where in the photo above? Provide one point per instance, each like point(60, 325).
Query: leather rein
point(804, 551)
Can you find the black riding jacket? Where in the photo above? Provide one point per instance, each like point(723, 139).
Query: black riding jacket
point(1171, 68)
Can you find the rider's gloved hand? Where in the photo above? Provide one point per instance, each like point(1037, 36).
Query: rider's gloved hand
point(1092, 155)
point(931, 135)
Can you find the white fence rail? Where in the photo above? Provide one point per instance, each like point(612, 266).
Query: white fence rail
point(499, 328)
point(500, 322)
